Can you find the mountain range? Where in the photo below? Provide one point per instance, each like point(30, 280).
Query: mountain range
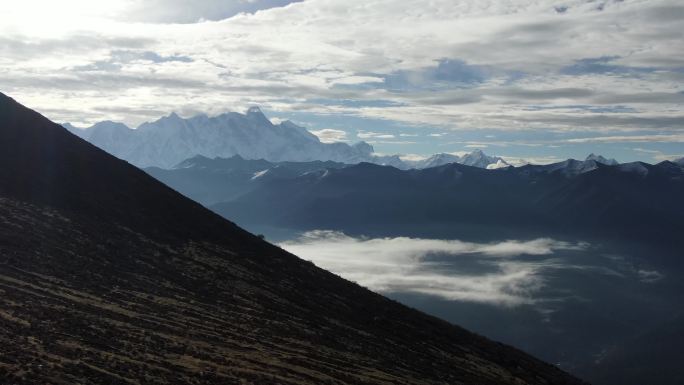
point(212, 181)
point(632, 201)
point(108, 276)
point(613, 320)
point(170, 140)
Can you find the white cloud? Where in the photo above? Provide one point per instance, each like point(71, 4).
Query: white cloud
point(649, 276)
point(662, 138)
point(413, 157)
point(525, 57)
point(518, 161)
point(374, 135)
point(330, 135)
point(659, 156)
point(402, 265)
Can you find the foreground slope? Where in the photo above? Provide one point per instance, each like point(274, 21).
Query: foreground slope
point(108, 276)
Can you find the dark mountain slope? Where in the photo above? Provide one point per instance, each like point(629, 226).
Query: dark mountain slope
point(654, 357)
point(109, 277)
point(629, 201)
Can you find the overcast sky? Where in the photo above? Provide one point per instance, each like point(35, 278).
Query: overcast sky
point(542, 80)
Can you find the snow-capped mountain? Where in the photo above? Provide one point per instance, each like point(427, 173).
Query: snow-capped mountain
point(172, 139)
point(477, 158)
point(602, 160)
point(574, 167)
point(679, 161)
point(499, 164)
point(434, 161)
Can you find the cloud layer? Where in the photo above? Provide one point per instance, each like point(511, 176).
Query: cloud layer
point(612, 67)
point(451, 269)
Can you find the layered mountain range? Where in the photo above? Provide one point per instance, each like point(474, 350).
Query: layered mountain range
point(632, 201)
point(614, 319)
point(211, 181)
point(108, 276)
point(170, 140)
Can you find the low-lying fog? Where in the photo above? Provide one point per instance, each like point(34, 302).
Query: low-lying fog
point(567, 301)
point(506, 272)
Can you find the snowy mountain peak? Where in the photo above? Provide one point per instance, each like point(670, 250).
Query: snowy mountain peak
point(364, 148)
point(478, 158)
point(254, 114)
point(601, 159)
point(254, 110)
point(438, 160)
point(172, 139)
point(679, 161)
point(499, 164)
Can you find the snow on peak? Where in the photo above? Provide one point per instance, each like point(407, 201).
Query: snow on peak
point(499, 164)
point(478, 158)
point(601, 159)
point(172, 139)
point(254, 110)
point(364, 148)
point(259, 174)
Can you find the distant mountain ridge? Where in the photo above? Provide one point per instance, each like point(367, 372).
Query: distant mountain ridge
point(211, 181)
point(636, 201)
point(477, 158)
point(172, 139)
point(602, 160)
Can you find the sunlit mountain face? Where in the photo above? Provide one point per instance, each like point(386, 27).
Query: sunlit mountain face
point(253, 191)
